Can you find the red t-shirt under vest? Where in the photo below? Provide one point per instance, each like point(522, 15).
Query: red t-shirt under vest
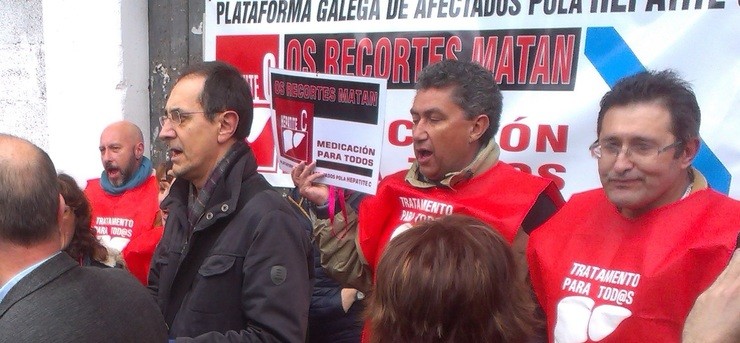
point(125, 220)
point(501, 196)
point(601, 277)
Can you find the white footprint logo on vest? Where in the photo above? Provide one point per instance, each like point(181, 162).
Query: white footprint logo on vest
point(578, 320)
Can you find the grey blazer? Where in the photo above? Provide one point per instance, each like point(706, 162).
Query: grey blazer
point(62, 302)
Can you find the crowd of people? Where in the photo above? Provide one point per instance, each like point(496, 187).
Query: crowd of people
point(222, 256)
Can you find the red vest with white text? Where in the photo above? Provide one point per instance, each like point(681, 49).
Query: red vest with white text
point(126, 220)
point(601, 277)
point(501, 196)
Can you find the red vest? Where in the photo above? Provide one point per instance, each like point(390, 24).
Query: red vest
point(125, 220)
point(501, 196)
point(601, 277)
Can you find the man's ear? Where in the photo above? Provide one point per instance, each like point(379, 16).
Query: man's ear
point(480, 125)
point(690, 149)
point(60, 211)
point(228, 122)
point(139, 150)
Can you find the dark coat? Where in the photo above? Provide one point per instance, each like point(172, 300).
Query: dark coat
point(327, 321)
point(60, 301)
point(255, 282)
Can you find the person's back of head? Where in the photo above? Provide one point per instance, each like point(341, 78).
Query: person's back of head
point(29, 194)
point(225, 89)
point(474, 90)
point(453, 279)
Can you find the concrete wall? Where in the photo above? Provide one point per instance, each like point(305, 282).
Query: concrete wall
point(23, 86)
point(75, 66)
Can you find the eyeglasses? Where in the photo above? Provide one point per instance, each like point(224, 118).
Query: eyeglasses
point(640, 151)
point(175, 116)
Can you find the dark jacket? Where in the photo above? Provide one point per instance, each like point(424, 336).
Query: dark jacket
point(60, 301)
point(327, 321)
point(255, 282)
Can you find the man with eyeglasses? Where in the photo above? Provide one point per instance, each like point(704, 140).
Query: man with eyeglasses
point(234, 264)
point(625, 263)
point(124, 198)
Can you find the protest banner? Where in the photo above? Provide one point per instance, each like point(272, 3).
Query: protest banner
point(554, 59)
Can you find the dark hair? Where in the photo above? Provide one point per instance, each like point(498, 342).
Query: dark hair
point(162, 170)
point(224, 89)
point(665, 87)
point(29, 195)
point(453, 279)
point(83, 241)
point(474, 89)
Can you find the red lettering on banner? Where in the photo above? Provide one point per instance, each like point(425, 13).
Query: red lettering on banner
point(522, 136)
point(549, 65)
point(524, 43)
point(519, 59)
point(402, 51)
point(541, 64)
point(382, 59)
point(348, 59)
point(485, 54)
point(300, 58)
point(563, 61)
point(364, 46)
point(545, 135)
point(331, 56)
point(505, 65)
point(434, 44)
point(394, 132)
point(419, 44)
point(517, 137)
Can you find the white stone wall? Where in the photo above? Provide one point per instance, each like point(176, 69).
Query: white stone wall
point(70, 68)
point(22, 72)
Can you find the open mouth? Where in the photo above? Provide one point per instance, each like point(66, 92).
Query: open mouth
point(422, 155)
point(112, 171)
point(174, 153)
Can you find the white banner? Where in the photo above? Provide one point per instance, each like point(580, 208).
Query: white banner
point(554, 60)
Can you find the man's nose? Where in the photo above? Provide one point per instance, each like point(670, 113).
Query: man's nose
point(167, 131)
point(419, 132)
point(623, 162)
point(107, 156)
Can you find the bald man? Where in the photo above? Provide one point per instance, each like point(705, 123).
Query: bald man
point(124, 199)
point(45, 296)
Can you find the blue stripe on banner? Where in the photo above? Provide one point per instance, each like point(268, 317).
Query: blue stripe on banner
point(716, 173)
point(611, 56)
point(614, 59)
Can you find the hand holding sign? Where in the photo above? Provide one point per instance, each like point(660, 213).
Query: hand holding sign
point(304, 177)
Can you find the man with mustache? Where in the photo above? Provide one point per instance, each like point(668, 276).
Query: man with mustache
point(456, 113)
point(124, 198)
point(624, 263)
